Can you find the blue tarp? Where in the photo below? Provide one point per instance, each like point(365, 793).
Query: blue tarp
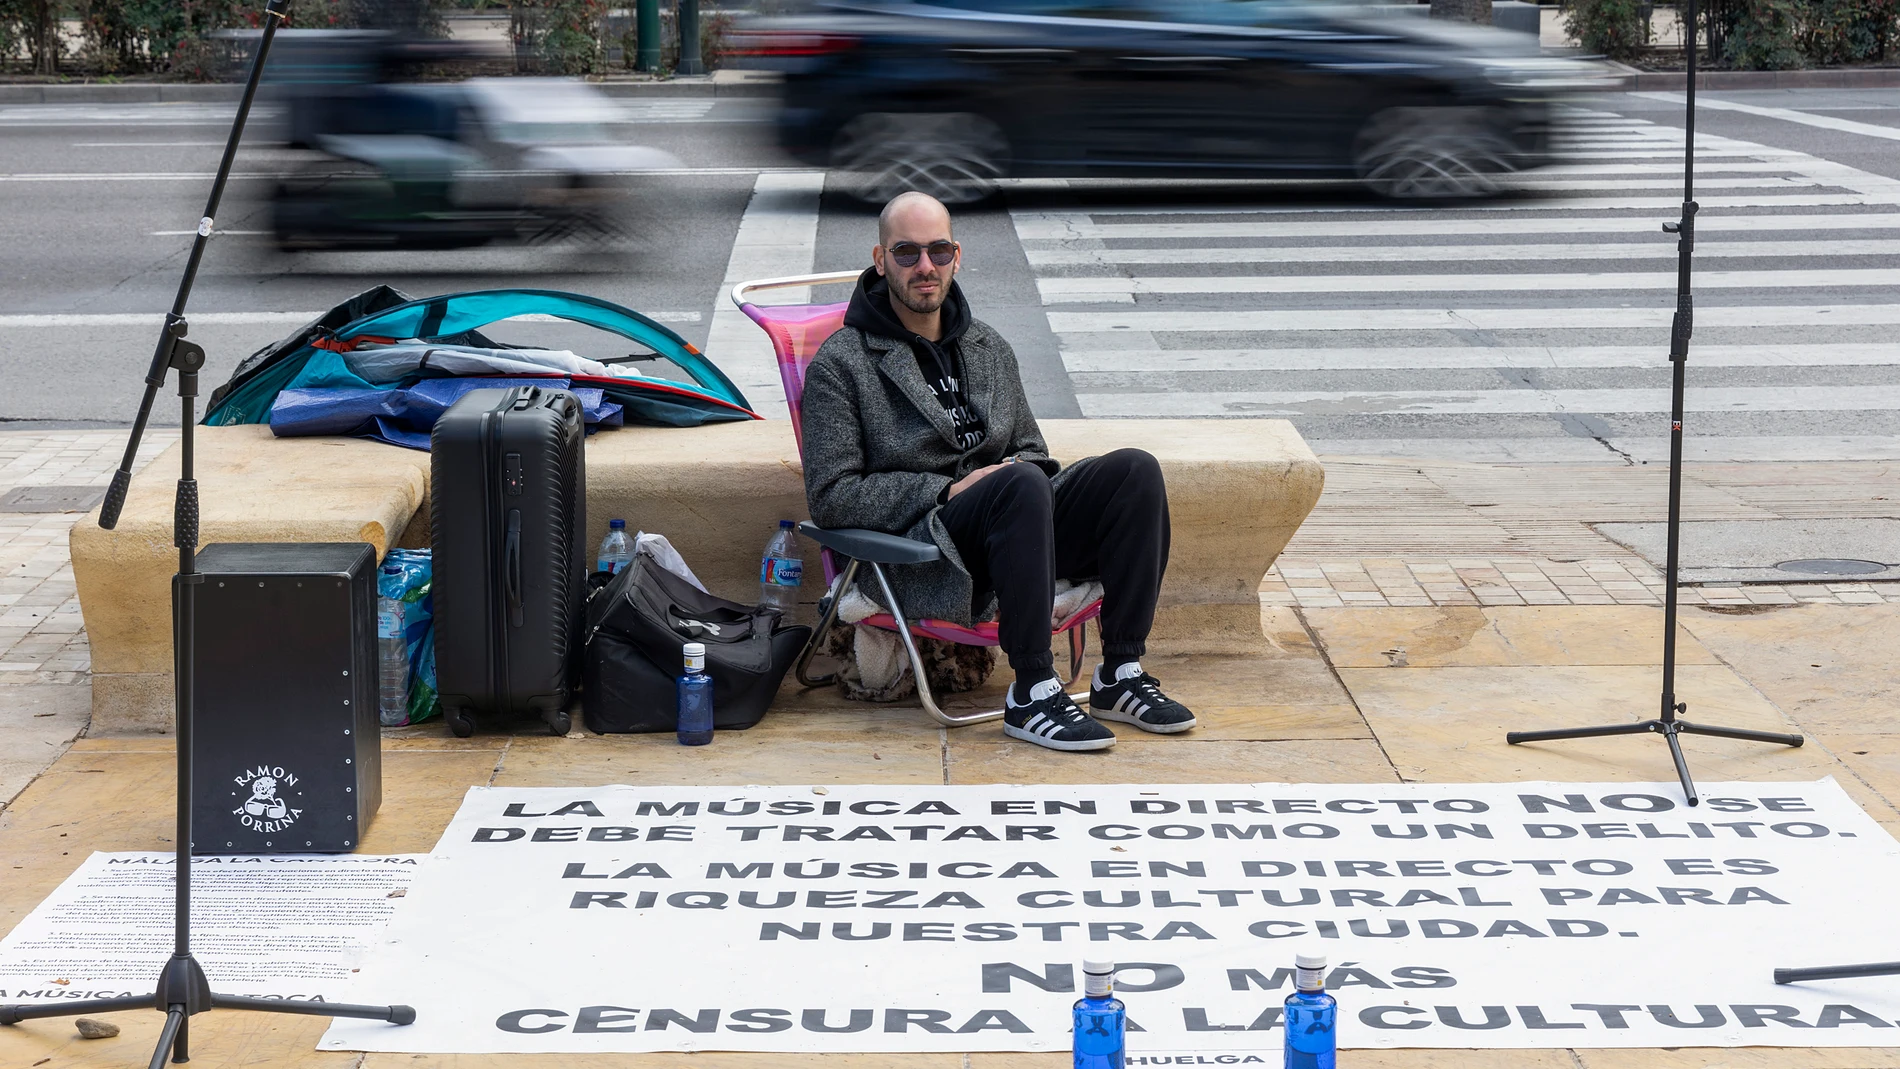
point(405, 416)
point(302, 385)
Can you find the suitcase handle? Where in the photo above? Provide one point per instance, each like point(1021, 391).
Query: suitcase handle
point(512, 563)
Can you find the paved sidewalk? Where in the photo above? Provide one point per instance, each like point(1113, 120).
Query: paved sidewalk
point(1391, 647)
point(1434, 532)
point(45, 666)
point(1379, 538)
point(1370, 581)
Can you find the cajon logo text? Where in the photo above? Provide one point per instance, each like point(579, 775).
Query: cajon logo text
point(267, 809)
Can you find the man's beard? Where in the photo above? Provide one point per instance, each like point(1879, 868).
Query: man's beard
point(922, 305)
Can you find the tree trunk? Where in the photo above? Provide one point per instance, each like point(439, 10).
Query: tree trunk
point(1478, 11)
point(43, 39)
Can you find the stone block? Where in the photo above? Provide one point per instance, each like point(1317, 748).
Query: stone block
point(253, 487)
point(1237, 490)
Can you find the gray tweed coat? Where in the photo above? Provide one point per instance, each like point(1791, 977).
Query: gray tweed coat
point(879, 448)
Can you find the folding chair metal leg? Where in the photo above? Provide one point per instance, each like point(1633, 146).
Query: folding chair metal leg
point(917, 662)
point(818, 635)
point(1078, 641)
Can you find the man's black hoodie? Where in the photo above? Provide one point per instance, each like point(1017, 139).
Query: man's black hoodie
point(941, 361)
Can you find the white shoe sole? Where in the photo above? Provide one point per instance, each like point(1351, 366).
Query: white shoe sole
point(1027, 735)
point(1130, 718)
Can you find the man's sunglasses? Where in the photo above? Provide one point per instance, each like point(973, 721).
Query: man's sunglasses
point(907, 253)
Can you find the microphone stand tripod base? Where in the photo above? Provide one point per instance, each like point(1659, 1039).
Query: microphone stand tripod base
point(183, 992)
point(1670, 728)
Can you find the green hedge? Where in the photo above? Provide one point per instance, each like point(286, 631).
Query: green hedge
point(178, 38)
point(174, 37)
point(28, 28)
point(1752, 34)
point(1612, 28)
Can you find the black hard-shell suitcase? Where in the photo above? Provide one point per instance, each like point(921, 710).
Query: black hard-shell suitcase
point(508, 513)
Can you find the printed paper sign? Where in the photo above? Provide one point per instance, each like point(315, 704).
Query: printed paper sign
point(267, 927)
point(957, 918)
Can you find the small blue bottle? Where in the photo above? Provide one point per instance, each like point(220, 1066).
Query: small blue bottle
point(1101, 1021)
point(1310, 1015)
point(695, 698)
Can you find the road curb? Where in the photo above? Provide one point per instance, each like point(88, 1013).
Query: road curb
point(134, 93)
point(722, 84)
point(1870, 78)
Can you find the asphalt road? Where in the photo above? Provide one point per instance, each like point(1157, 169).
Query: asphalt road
point(1531, 328)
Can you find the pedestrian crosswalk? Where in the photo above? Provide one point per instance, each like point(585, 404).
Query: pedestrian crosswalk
point(1534, 326)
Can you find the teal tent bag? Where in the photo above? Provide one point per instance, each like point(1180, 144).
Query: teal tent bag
point(310, 356)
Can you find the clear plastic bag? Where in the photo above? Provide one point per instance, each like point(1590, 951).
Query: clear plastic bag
point(411, 587)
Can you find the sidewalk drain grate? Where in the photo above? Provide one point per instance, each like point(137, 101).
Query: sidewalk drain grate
point(51, 498)
point(1831, 566)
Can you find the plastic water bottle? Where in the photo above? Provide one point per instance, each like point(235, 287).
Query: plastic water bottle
point(616, 550)
point(1101, 1021)
point(781, 570)
point(695, 698)
point(1310, 1016)
point(392, 655)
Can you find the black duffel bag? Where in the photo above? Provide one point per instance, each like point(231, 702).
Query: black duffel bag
point(637, 625)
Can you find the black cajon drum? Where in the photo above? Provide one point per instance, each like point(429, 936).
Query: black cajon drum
point(287, 747)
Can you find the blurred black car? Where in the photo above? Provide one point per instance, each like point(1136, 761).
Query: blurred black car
point(946, 96)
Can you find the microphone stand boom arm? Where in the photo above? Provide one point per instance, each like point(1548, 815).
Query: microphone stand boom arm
point(182, 990)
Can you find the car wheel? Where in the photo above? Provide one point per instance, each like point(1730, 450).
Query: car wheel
point(1441, 153)
point(955, 158)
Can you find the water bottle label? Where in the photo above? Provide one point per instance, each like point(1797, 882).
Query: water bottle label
point(781, 571)
point(610, 566)
point(389, 623)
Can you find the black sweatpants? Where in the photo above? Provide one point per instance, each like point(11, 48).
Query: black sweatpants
point(1017, 536)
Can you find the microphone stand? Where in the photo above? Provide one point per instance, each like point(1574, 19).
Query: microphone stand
point(1667, 725)
point(182, 990)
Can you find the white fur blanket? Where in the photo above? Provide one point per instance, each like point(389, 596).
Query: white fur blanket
point(880, 668)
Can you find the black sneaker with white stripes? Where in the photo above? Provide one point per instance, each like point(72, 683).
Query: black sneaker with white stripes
point(1051, 718)
point(1135, 698)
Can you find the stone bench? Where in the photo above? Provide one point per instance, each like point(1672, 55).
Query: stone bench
point(1237, 491)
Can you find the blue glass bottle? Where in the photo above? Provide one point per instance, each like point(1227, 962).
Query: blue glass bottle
point(695, 698)
point(1310, 1016)
point(1101, 1021)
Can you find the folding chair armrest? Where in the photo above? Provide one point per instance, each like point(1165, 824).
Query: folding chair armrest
point(874, 547)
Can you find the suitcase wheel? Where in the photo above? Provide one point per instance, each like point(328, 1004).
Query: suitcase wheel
point(461, 721)
point(559, 722)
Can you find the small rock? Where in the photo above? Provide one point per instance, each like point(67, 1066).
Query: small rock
point(91, 1029)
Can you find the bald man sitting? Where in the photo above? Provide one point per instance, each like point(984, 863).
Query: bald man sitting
point(915, 423)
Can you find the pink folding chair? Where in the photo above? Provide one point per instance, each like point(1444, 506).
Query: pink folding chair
point(797, 330)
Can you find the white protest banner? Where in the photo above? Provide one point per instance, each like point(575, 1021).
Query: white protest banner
point(923, 918)
point(267, 927)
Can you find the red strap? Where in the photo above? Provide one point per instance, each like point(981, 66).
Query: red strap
point(339, 345)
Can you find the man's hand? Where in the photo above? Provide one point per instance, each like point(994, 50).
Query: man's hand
point(969, 480)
